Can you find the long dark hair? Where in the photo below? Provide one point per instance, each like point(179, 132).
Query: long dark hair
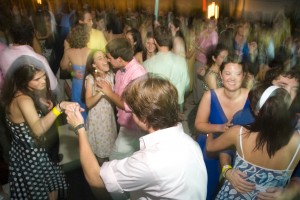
point(19, 82)
point(136, 36)
point(215, 54)
point(89, 69)
point(273, 121)
point(149, 35)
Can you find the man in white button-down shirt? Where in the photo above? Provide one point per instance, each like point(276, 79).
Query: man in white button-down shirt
point(169, 164)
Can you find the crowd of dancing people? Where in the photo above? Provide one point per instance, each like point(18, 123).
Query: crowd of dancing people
point(120, 82)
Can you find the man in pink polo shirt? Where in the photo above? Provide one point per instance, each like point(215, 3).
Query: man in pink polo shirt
point(120, 55)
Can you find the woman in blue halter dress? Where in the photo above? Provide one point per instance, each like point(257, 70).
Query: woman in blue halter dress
point(74, 60)
point(77, 89)
point(213, 118)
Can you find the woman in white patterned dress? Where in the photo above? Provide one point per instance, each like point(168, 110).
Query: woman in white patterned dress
point(101, 121)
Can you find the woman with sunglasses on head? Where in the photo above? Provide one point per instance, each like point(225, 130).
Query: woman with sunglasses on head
point(30, 114)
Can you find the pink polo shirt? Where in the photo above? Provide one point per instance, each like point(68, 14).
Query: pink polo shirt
point(123, 77)
point(208, 42)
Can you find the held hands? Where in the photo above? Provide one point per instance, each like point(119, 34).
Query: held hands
point(74, 116)
point(237, 180)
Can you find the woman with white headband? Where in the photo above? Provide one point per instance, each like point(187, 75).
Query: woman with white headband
point(268, 150)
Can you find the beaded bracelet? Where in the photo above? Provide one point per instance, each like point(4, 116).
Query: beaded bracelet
point(78, 127)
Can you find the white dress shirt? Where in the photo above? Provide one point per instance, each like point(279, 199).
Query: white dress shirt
point(169, 165)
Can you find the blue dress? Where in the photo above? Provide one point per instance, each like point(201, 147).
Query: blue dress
point(217, 116)
point(77, 90)
point(263, 178)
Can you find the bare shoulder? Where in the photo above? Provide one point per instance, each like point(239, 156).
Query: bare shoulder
point(23, 100)
point(237, 128)
point(206, 95)
point(219, 92)
point(245, 91)
point(297, 134)
point(23, 97)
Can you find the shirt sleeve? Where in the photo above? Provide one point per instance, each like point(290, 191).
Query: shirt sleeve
point(129, 174)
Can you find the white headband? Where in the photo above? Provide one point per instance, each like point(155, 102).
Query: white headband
point(264, 97)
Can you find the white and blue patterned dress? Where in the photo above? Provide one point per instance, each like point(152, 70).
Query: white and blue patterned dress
point(263, 178)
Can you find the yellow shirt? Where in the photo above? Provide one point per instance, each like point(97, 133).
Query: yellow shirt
point(97, 40)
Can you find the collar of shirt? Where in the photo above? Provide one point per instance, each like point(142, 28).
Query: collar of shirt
point(128, 66)
point(160, 136)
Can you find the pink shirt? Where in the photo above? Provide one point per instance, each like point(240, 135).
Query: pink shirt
point(208, 42)
point(11, 53)
point(123, 77)
point(2, 46)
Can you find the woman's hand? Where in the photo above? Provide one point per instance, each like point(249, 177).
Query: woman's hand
point(237, 180)
point(47, 103)
point(226, 126)
point(105, 87)
point(67, 105)
point(201, 70)
point(74, 116)
point(78, 74)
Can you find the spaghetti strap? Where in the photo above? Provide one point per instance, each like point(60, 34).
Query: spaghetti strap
point(241, 145)
point(294, 154)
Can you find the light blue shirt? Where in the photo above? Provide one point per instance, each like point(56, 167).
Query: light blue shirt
point(172, 67)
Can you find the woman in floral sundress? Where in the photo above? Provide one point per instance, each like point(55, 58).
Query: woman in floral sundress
point(101, 122)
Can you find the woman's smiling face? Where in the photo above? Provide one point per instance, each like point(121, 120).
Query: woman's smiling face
point(232, 76)
point(101, 62)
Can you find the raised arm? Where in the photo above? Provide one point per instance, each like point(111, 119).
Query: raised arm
point(115, 98)
point(234, 176)
point(211, 81)
point(225, 140)
point(38, 125)
point(90, 99)
point(89, 163)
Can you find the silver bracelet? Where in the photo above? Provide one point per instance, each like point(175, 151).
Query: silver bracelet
point(78, 127)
